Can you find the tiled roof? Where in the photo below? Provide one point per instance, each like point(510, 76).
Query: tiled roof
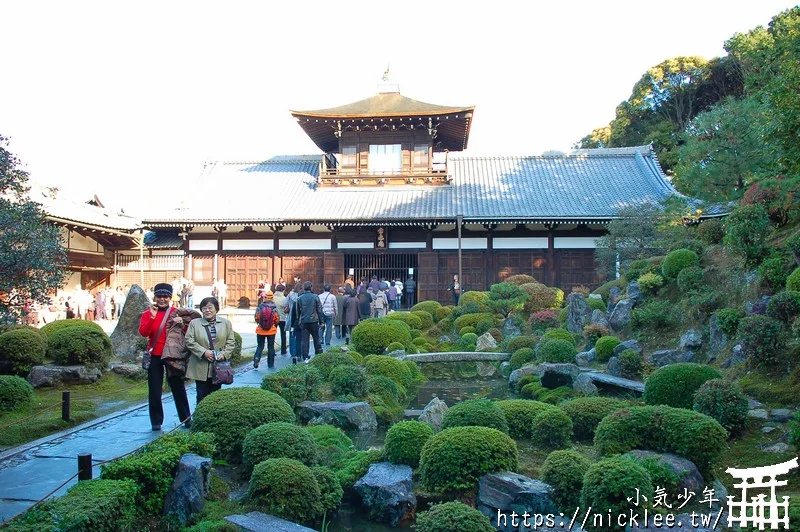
point(583, 185)
point(162, 240)
point(384, 104)
point(63, 209)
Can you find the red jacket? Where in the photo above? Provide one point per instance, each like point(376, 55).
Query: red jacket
point(148, 327)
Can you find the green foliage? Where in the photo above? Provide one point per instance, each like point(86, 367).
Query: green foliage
point(416, 374)
point(604, 347)
point(690, 279)
point(559, 334)
point(793, 281)
point(356, 466)
point(535, 390)
point(470, 320)
point(632, 235)
point(14, 391)
point(690, 434)
point(564, 471)
point(505, 298)
point(724, 401)
point(728, 320)
point(20, 350)
point(631, 364)
point(468, 341)
point(467, 308)
point(371, 336)
point(469, 329)
point(429, 306)
point(587, 412)
point(785, 306)
point(610, 482)
point(552, 429)
point(236, 354)
point(520, 279)
point(286, 488)
point(592, 332)
point(80, 346)
point(541, 297)
point(349, 380)
point(762, 340)
point(558, 351)
point(298, 383)
point(278, 440)
point(425, 317)
point(773, 272)
point(521, 357)
point(231, 413)
point(443, 312)
point(777, 195)
point(453, 516)
point(638, 268)
point(51, 328)
point(477, 413)
point(330, 436)
point(675, 384)
point(386, 388)
point(328, 360)
point(794, 430)
point(397, 346)
point(329, 487)
point(653, 315)
point(542, 320)
point(520, 414)
point(711, 231)
point(596, 304)
point(676, 261)
point(746, 232)
point(389, 367)
point(517, 343)
point(660, 474)
point(455, 458)
point(404, 442)
point(650, 282)
point(483, 326)
point(412, 320)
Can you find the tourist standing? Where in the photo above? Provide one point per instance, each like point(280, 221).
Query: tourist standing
point(328, 302)
point(279, 299)
point(267, 318)
point(350, 314)
point(308, 312)
point(455, 287)
point(208, 339)
point(337, 320)
point(411, 291)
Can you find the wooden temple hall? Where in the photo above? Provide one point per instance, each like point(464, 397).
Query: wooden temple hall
point(390, 194)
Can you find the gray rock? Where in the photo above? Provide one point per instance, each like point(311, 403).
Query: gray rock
point(621, 314)
point(595, 296)
point(614, 296)
point(346, 416)
point(510, 492)
point(386, 492)
point(767, 430)
point(555, 375)
point(613, 367)
point(633, 345)
point(486, 369)
point(611, 381)
point(716, 338)
point(781, 415)
point(433, 413)
point(397, 353)
point(517, 374)
point(635, 293)
point(510, 330)
point(486, 342)
point(444, 338)
point(737, 356)
point(758, 413)
point(757, 307)
point(779, 447)
point(665, 357)
point(690, 476)
point(598, 317)
point(578, 312)
point(261, 522)
point(691, 340)
point(130, 371)
point(583, 384)
point(55, 375)
point(752, 403)
point(188, 491)
point(586, 357)
point(126, 333)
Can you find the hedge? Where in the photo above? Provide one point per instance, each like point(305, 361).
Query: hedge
point(558, 351)
point(373, 335)
point(14, 391)
point(404, 442)
point(20, 350)
point(286, 488)
point(80, 346)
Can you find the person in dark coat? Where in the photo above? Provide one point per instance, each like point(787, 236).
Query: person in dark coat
point(364, 304)
point(350, 314)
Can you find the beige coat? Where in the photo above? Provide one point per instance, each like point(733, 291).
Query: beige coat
point(197, 343)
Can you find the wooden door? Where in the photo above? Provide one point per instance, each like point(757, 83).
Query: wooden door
point(575, 267)
point(242, 274)
point(510, 263)
point(203, 270)
point(307, 267)
point(334, 269)
point(428, 276)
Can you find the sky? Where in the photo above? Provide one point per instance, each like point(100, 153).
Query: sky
point(128, 99)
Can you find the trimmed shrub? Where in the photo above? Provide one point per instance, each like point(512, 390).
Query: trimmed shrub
point(404, 442)
point(356, 466)
point(587, 412)
point(514, 344)
point(609, 483)
point(592, 332)
point(541, 297)
point(746, 233)
point(286, 488)
point(333, 445)
point(483, 326)
point(468, 341)
point(520, 279)
point(654, 314)
point(470, 320)
point(728, 320)
point(496, 333)
point(558, 351)
point(297, 383)
point(453, 516)
point(371, 336)
point(231, 413)
point(636, 269)
point(236, 354)
point(427, 306)
point(389, 367)
point(349, 380)
point(416, 374)
point(596, 304)
point(543, 320)
point(690, 434)
point(415, 333)
point(784, 306)
point(473, 297)
point(79, 346)
point(397, 346)
point(469, 329)
point(562, 315)
point(691, 278)
point(50, 328)
point(604, 347)
point(564, 471)
point(20, 350)
point(329, 487)
point(425, 317)
point(412, 320)
point(793, 281)
point(475, 413)
point(676, 261)
point(711, 231)
point(278, 440)
point(650, 282)
point(14, 391)
point(674, 385)
point(520, 414)
point(631, 364)
point(552, 429)
point(455, 458)
point(522, 357)
point(762, 340)
point(385, 388)
point(443, 312)
point(559, 334)
point(773, 272)
point(328, 360)
point(724, 401)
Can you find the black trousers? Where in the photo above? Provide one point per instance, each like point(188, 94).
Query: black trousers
point(204, 388)
point(155, 380)
point(270, 348)
point(409, 297)
point(312, 330)
point(282, 328)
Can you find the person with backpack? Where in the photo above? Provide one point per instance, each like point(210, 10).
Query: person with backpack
point(267, 318)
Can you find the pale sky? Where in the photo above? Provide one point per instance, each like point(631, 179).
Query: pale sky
point(127, 99)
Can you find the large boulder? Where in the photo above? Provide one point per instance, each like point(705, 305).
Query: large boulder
point(510, 330)
point(690, 477)
point(555, 375)
point(585, 358)
point(517, 374)
point(613, 367)
point(614, 296)
point(56, 375)
point(635, 293)
point(621, 314)
point(716, 338)
point(386, 492)
point(261, 522)
point(187, 494)
point(346, 416)
point(130, 371)
point(433, 413)
point(126, 333)
point(737, 356)
point(664, 357)
point(633, 345)
point(598, 317)
point(578, 312)
point(691, 340)
point(486, 342)
point(584, 384)
point(506, 492)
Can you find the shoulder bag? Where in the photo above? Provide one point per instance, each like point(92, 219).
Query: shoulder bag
point(221, 370)
point(147, 356)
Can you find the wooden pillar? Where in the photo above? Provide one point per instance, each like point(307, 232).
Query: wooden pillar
point(551, 257)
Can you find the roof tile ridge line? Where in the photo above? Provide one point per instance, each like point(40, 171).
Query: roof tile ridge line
point(657, 173)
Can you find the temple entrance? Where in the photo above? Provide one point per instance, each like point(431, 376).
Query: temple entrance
point(391, 266)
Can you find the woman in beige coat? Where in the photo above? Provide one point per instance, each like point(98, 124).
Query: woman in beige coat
point(201, 349)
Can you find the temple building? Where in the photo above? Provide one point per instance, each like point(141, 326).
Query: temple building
point(392, 195)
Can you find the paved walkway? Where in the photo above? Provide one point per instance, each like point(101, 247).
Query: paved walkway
point(31, 471)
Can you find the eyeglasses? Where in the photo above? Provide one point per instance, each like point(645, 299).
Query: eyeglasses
point(208, 307)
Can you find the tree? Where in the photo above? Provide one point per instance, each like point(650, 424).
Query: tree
point(33, 261)
point(633, 234)
point(505, 298)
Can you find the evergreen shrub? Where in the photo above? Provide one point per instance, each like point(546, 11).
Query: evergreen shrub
point(521, 357)
point(773, 272)
point(348, 380)
point(552, 429)
point(596, 304)
point(425, 317)
point(564, 471)
point(329, 487)
point(385, 388)
point(333, 445)
point(675, 384)
point(412, 320)
point(14, 391)
point(762, 340)
point(610, 482)
point(469, 329)
point(427, 306)
point(389, 367)
point(520, 279)
point(468, 341)
point(650, 282)
point(653, 315)
point(278, 440)
point(785, 306)
point(470, 320)
point(80, 346)
point(559, 334)
point(631, 364)
point(746, 232)
point(286, 488)
point(371, 336)
point(793, 281)
point(477, 413)
point(711, 231)
point(236, 354)
point(676, 261)
point(728, 320)
point(483, 326)
point(558, 351)
point(592, 332)
point(691, 278)
point(724, 401)
point(520, 414)
point(442, 312)
point(518, 342)
point(453, 516)
point(356, 465)
point(20, 350)
point(587, 412)
point(404, 442)
point(604, 347)
point(543, 319)
point(636, 269)
point(328, 360)
point(473, 297)
point(50, 328)
point(298, 383)
point(415, 333)
point(396, 346)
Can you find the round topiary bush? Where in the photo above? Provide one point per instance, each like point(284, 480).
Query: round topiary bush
point(79, 346)
point(587, 412)
point(631, 364)
point(691, 278)
point(552, 429)
point(453, 516)
point(424, 316)
point(442, 313)
point(728, 320)
point(20, 350)
point(559, 334)
point(604, 347)
point(724, 401)
point(676, 261)
point(231, 413)
point(412, 320)
point(328, 360)
point(286, 488)
point(558, 351)
point(477, 413)
point(609, 483)
point(330, 436)
point(483, 326)
point(711, 231)
point(419, 341)
point(389, 367)
point(470, 320)
point(296, 383)
point(278, 440)
point(469, 329)
point(793, 281)
point(541, 297)
point(404, 442)
point(50, 328)
point(762, 340)
point(348, 380)
point(14, 391)
point(785, 306)
point(427, 306)
point(650, 282)
point(520, 414)
point(516, 343)
point(596, 303)
point(395, 346)
point(329, 487)
point(455, 458)
point(675, 384)
point(468, 341)
point(521, 357)
point(520, 279)
point(371, 336)
point(473, 297)
point(385, 388)
point(564, 471)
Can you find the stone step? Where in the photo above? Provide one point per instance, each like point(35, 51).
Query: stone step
point(261, 522)
point(412, 414)
point(619, 382)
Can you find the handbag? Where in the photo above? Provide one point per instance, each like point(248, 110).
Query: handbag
point(221, 370)
point(147, 356)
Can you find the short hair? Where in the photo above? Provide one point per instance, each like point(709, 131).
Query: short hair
point(307, 285)
point(212, 300)
point(326, 287)
point(374, 276)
